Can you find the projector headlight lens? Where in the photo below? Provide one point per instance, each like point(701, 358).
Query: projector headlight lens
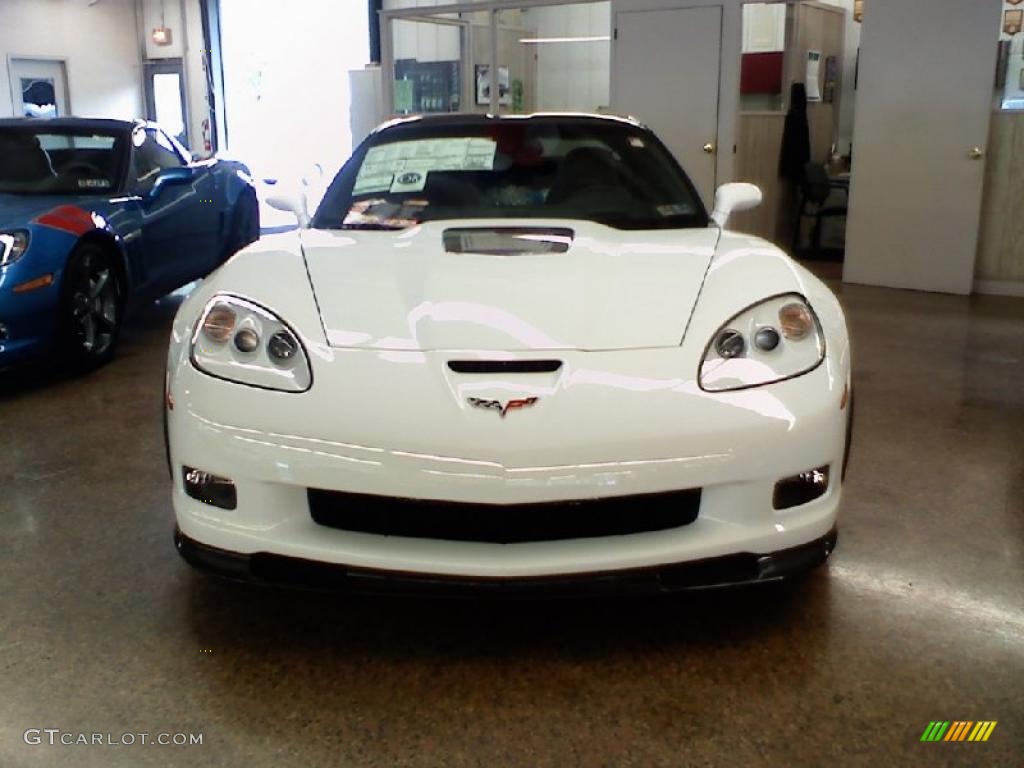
point(282, 346)
point(280, 364)
point(13, 245)
point(785, 340)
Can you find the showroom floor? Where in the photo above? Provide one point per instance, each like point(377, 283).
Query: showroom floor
point(920, 616)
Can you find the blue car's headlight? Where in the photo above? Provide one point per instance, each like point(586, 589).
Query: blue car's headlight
point(243, 342)
point(13, 244)
point(774, 340)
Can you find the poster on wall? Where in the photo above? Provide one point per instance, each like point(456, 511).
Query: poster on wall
point(1012, 21)
point(483, 85)
point(813, 76)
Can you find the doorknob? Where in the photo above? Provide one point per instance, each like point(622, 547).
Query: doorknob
point(976, 154)
point(709, 148)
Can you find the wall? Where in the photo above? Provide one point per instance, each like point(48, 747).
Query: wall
point(1000, 264)
point(98, 42)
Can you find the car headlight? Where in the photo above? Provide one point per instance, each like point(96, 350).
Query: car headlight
point(243, 342)
point(774, 340)
point(12, 245)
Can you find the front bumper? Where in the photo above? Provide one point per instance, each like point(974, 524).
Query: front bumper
point(728, 570)
point(608, 425)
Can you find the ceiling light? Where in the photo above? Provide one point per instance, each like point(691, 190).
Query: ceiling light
point(162, 35)
point(538, 40)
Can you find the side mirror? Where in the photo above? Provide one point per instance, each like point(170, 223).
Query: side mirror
point(168, 177)
point(292, 202)
point(731, 198)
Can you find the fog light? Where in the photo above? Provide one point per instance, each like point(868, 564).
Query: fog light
point(800, 489)
point(209, 488)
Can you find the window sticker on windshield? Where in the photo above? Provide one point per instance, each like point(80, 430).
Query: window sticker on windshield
point(409, 181)
point(674, 210)
point(376, 183)
point(391, 162)
point(636, 141)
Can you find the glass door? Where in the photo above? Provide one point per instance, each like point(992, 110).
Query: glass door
point(165, 97)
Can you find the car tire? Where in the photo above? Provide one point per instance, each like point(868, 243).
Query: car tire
point(245, 224)
point(92, 305)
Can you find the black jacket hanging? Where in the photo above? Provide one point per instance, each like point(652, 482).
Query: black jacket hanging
point(796, 137)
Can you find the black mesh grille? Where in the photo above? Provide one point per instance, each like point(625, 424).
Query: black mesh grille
point(501, 523)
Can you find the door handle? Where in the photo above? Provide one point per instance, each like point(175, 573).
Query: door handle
point(709, 148)
point(976, 153)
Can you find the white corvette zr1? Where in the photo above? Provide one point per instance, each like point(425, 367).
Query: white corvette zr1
point(510, 354)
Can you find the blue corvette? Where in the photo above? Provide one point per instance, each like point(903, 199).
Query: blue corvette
point(96, 215)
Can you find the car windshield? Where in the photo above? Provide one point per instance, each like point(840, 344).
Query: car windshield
point(46, 161)
point(608, 171)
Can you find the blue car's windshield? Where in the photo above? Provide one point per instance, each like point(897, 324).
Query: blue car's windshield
point(41, 161)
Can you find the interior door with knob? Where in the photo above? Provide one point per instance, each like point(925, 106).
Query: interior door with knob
point(920, 132)
point(666, 74)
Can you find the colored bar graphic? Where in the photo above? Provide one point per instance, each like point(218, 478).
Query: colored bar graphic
point(935, 730)
point(958, 730)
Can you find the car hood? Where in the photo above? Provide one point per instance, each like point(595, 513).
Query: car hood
point(610, 289)
point(19, 210)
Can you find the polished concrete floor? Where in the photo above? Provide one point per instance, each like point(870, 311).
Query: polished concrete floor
point(919, 617)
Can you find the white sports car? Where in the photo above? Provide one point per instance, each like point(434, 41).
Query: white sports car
point(511, 354)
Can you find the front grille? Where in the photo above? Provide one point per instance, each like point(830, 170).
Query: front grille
point(504, 523)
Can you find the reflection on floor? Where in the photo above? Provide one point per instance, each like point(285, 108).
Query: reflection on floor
point(920, 616)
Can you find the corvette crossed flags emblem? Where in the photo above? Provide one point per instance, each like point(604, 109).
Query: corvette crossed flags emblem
point(502, 408)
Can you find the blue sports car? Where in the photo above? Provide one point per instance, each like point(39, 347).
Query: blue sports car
point(96, 215)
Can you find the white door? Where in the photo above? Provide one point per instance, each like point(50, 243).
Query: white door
point(666, 74)
point(39, 88)
point(915, 197)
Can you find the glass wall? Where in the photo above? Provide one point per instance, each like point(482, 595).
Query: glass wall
point(1009, 92)
point(544, 58)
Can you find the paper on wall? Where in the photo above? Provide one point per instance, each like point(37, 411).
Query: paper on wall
point(812, 81)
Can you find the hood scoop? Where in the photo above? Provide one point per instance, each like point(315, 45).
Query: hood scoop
point(507, 241)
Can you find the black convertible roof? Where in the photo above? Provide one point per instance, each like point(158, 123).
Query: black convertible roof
point(468, 118)
point(70, 123)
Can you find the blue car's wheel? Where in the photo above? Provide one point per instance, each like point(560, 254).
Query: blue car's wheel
point(91, 308)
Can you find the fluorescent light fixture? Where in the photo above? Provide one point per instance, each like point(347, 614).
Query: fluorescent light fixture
point(540, 40)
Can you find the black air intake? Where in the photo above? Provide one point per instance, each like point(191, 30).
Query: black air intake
point(504, 366)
